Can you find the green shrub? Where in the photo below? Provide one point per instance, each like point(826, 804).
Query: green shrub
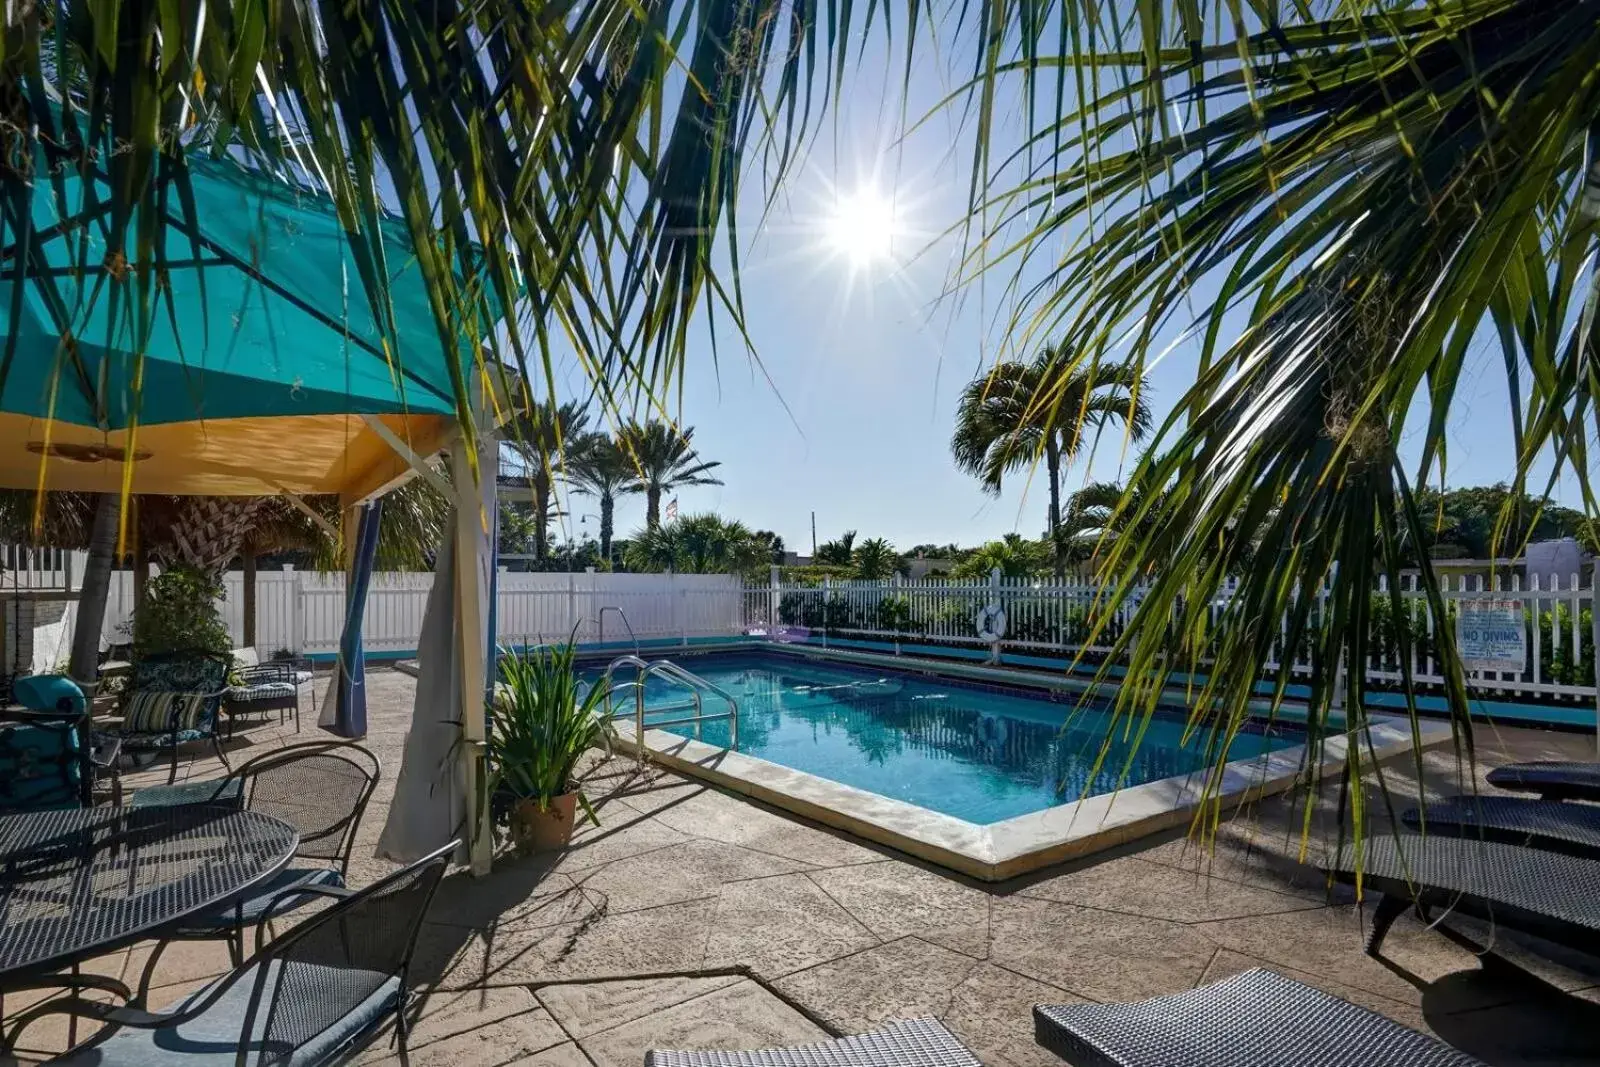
point(180, 614)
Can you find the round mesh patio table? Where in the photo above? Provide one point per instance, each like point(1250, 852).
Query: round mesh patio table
point(74, 884)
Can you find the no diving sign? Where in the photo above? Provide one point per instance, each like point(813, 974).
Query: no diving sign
point(1491, 635)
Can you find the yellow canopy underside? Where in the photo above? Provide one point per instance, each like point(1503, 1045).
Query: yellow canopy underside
point(300, 454)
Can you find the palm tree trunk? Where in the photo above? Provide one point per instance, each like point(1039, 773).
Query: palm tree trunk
point(608, 505)
point(652, 507)
point(541, 516)
point(248, 600)
point(84, 664)
point(1052, 460)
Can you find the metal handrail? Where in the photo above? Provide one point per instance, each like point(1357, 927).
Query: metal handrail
point(600, 619)
point(665, 668)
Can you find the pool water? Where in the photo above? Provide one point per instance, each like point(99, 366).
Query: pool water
point(977, 754)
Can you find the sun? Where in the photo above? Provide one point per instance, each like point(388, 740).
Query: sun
point(862, 226)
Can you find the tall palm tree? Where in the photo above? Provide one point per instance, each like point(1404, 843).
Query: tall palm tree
point(1020, 413)
point(662, 460)
point(544, 436)
point(875, 558)
point(599, 468)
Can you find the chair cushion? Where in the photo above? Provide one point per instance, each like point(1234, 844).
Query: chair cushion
point(152, 710)
point(150, 739)
point(246, 657)
point(254, 907)
point(244, 694)
point(212, 1039)
point(225, 791)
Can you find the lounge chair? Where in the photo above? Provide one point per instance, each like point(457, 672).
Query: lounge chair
point(1551, 779)
point(912, 1043)
point(1548, 894)
point(1255, 1019)
point(1554, 825)
point(307, 998)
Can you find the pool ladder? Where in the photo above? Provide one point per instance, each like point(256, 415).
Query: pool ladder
point(697, 686)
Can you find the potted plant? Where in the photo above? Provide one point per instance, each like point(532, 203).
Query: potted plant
point(541, 722)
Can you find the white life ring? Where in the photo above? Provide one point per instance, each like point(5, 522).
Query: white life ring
point(991, 622)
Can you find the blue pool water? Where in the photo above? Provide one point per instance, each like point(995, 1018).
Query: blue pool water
point(977, 754)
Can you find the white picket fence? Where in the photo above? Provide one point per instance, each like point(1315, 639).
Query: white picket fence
point(304, 611)
point(1561, 626)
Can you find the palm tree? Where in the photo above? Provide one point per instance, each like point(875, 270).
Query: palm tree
point(662, 460)
point(599, 469)
point(1019, 413)
point(697, 544)
point(544, 436)
point(1015, 555)
point(875, 558)
point(838, 552)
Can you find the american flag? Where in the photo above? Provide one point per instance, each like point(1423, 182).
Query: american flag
point(672, 509)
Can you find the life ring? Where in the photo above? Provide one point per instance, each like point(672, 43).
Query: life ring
point(991, 731)
point(991, 622)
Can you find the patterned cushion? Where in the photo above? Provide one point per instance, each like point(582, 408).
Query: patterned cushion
point(243, 694)
point(151, 710)
point(185, 673)
point(160, 740)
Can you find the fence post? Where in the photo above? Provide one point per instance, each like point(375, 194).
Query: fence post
point(572, 603)
point(773, 598)
point(681, 603)
point(296, 606)
point(827, 595)
point(897, 620)
point(994, 598)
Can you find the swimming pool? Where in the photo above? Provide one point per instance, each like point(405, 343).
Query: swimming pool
point(978, 754)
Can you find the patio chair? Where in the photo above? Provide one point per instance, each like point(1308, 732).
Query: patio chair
point(1554, 825)
point(309, 997)
point(912, 1043)
point(256, 687)
point(174, 700)
point(321, 789)
point(1255, 1019)
point(1548, 894)
point(1551, 779)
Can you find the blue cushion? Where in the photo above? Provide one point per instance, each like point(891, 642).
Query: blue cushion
point(228, 791)
point(161, 740)
point(213, 1038)
point(254, 907)
point(49, 692)
point(39, 767)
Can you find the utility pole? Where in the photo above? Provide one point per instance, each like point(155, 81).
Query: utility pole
point(813, 535)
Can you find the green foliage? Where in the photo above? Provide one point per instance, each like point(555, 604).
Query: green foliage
point(1015, 555)
point(541, 723)
point(875, 559)
point(661, 459)
point(1462, 523)
point(697, 544)
point(815, 574)
point(180, 614)
point(837, 553)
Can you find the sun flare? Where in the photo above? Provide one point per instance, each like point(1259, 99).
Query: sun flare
point(862, 226)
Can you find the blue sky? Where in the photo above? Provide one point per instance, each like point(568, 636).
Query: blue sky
point(849, 410)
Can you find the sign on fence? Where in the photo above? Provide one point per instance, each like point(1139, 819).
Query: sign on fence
point(1491, 636)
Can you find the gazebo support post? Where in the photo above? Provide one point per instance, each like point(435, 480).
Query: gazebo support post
point(474, 503)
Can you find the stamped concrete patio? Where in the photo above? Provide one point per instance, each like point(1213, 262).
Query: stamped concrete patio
point(691, 918)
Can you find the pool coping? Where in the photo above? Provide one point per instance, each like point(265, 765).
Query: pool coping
point(1002, 850)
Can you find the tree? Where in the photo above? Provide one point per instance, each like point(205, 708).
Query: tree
point(599, 469)
point(545, 437)
point(696, 544)
point(1020, 413)
point(875, 559)
point(839, 553)
point(1015, 555)
point(662, 460)
point(776, 553)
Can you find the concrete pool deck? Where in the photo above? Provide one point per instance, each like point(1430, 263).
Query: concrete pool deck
point(692, 917)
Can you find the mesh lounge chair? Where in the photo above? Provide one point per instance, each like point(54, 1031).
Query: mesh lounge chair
point(1548, 894)
point(913, 1043)
point(1551, 779)
point(307, 998)
point(1553, 825)
point(321, 789)
point(1255, 1019)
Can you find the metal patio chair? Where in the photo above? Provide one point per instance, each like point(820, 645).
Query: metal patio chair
point(1553, 825)
point(321, 788)
point(307, 998)
point(1255, 1019)
point(912, 1043)
point(1551, 779)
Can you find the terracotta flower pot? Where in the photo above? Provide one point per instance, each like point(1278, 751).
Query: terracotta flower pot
point(543, 829)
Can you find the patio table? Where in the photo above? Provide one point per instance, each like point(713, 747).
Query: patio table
point(78, 883)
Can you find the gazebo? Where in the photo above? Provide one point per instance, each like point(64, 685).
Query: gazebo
point(260, 370)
